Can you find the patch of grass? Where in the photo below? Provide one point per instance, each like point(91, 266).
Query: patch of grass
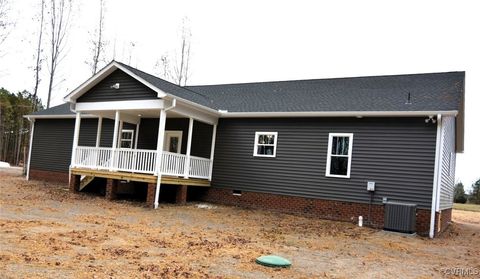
point(467, 207)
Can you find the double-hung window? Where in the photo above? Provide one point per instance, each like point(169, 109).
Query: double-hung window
point(265, 144)
point(126, 139)
point(339, 156)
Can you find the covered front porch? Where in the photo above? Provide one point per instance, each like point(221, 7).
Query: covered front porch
point(144, 142)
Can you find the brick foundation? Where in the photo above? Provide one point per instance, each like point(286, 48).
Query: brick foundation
point(326, 209)
point(74, 183)
point(111, 189)
point(442, 220)
point(181, 195)
point(151, 188)
point(50, 176)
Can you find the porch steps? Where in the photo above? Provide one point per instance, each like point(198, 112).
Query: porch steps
point(84, 181)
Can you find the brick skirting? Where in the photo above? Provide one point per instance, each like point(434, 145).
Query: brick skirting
point(325, 209)
point(442, 220)
point(50, 176)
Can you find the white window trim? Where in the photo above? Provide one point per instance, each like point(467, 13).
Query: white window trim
point(255, 146)
point(173, 133)
point(329, 154)
point(127, 140)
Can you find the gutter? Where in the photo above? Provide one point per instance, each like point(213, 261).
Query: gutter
point(436, 171)
point(226, 114)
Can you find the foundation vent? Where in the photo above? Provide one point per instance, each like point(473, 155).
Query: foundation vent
point(400, 217)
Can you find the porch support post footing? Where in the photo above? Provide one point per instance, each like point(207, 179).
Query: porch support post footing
point(181, 196)
point(112, 187)
point(74, 183)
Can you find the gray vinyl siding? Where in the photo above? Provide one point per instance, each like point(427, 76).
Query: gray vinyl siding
point(201, 137)
point(397, 153)
point(53, 139)
point(447, 163)
point(130, 89)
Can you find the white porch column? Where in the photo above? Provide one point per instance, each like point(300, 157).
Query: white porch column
point(99, 132)
point(32, 129)
point(189, 148)
point(136, 133)
point(212, 151)
point(76, 135)
point(161, 134)
point(119, 140)
point(115, 139)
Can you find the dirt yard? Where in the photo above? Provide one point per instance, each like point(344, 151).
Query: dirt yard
point(47, 232)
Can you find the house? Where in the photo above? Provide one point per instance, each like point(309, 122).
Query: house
point(333, 148)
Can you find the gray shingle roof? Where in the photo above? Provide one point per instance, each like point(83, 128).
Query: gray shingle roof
point(63, 109)
point(171, 88)
point(428, 92)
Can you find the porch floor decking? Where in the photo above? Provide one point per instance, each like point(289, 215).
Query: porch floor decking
point(148, 178)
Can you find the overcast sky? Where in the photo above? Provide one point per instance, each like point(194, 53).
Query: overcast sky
point(268, 40)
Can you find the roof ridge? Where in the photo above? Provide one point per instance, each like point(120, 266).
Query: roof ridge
point(325, 79)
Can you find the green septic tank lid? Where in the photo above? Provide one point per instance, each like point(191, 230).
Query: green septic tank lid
point(273, 261)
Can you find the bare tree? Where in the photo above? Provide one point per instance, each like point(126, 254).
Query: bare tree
point(177, 72)
point(60, 11)
point(183, 59)
point(163, 66)
point(5, 23)
point(98, 41)
point(38, 65)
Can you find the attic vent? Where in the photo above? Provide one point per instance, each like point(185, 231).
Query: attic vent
point(409, 100)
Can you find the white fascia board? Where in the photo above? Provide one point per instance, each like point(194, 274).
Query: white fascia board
point(58, 116)
point(160, 93)
point(87, 85)
point(200, 115)
point(91, 82)
point(120, 105)
point(336, 113)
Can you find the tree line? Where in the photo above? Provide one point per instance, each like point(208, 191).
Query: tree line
point(461, 197)
point(14, 128)
point(53, 25)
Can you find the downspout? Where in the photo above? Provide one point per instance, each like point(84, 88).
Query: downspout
point(435, 176)
point(159, 156)
point(32, 125)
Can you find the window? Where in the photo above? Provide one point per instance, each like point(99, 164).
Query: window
point(339, 156)
point(265, 144)
point(126, 139)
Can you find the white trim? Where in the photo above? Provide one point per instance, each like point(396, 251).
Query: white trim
point(189, 148)
point(168, 135)
point(115, 139)
point(76, 136)
point(120, 105)
point(161, 133)
point(99, 132)
point(102, 74)
point(256, 144)
point(329, 154)
point(212, 151)
point(335, 113)
point(436, 171)
point(58, 116)
point(32, 130)
point(199, 115)
point(136, 133)
point(132, 132)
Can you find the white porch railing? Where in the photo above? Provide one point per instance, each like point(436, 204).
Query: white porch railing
point(140, 161)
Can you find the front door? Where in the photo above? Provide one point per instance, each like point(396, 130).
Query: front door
point(173, 141)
